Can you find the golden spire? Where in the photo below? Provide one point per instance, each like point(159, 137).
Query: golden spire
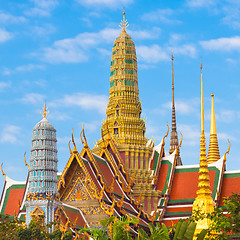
point(124, 23)
point(44, 112)
point(174, 136)
point(203, 202)
point(213, 150)
point(172, 58)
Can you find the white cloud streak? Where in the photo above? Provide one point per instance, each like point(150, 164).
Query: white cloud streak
point(156, 53)
point(4, 85)
point(83, 100)
point(33, 98)
point(186, 49)
point(8, 18)
point(73, 50)
point(184, 107)
point(152, 54)
point(191, 134)
point(222, 44)
point(10, 134)
point(161, 15)
point(5, 35)
point(29, 67)
point(200, 3)
point(42, 8)
point(23, 68)
point(106, 3)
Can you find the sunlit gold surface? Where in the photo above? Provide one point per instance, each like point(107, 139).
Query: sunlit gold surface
point(203, 202)
point(213, 150)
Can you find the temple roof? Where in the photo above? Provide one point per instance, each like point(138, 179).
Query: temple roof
point(12, 196)
point(44, 124)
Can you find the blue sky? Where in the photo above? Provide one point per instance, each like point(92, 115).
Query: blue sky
point(59, 52)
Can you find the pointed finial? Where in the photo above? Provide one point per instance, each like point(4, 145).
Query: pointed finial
point(74, 145)
point(172, 58)
point(227, 152)
point(44, 112)
point(26, 164)
point(202, 107)
point(124, 23)
point(213, 128)
point(69, 147)
point(3, 173)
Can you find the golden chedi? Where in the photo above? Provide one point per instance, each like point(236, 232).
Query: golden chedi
point(124, 122)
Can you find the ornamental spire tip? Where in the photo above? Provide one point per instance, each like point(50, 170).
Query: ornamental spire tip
point(124, 23)
point(44, 112)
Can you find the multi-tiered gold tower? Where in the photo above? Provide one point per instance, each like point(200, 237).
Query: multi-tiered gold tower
point(124, 121)
point(203, 202)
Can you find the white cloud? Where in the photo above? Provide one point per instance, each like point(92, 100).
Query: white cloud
point(8, 18)
point(10, 134)
point(91, 126)
point(6, 71)
point(104, 52)
point(200, 3)
point(145, 34)
point(59, 116)
point(161, 15)
point(29, 67)
point(184, 107)
point(5, 36)
point(23, 68)
point(152, 54)
point(42, 8)
point(106, 3)
point(222, 44)
point(232, 14)
point(225, 136)
point(155, 53)
point(83, 100)
point(175, 38)
point(73, 50)
point(186, 49)
point(44, 30)
point(227, 116)
point(191, 134)
point(64, 140)
point(4, 85)
point(33, 98)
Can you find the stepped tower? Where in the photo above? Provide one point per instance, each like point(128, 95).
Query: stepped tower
point(124, 121)
point(42, 189)
point(203, 202)
point(213, 150)
point(174, 136)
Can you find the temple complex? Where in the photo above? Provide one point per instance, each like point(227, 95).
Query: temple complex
point(125, 174)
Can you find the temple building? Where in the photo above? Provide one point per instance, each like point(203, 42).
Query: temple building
point(125, 173)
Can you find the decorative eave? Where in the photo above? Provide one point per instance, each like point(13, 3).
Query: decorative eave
point(8, 185)
point(157, 155)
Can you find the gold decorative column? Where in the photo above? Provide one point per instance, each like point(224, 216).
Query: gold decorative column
point(203, 202)
point(213, 150)
point(124, 110)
